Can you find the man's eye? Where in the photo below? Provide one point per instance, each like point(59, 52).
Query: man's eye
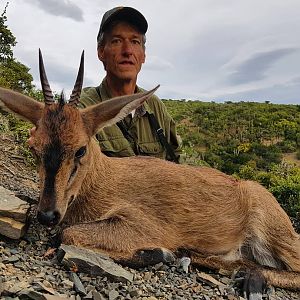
point(136, 42)
point(81, 152)
point(115, 41)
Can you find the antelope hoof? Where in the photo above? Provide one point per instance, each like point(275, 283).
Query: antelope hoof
point(254, 285)
point(150, 257)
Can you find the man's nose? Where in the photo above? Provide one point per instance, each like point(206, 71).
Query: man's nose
point(127, 47)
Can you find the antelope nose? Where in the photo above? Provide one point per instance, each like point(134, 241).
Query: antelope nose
point(48, 218)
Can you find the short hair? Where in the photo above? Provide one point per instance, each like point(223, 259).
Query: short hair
point(101, 38)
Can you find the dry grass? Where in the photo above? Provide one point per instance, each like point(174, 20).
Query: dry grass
point(291, 158)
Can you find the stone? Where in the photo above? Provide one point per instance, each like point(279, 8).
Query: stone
point(147, 276)
point(2, 287)
point(12, 259)
point(39, 296)
point(113, 294)
point(89, 295)
point(45, 286)
point(225, 272)
point(17, 287)
point(184, 262)
point(12, 206)
point(226, 280)
point(12, 228)
point(97, 296)
point(211, 281)
point(13, 214)
point(67, 283)
point(78, 286)
point(93, 263)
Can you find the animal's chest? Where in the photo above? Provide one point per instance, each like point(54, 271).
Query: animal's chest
point(81, 212)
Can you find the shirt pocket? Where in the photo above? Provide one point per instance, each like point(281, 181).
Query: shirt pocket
point(113, 143)
point(152, 149)
point(118, 147)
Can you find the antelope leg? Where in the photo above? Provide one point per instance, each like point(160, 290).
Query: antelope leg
point(130, 239)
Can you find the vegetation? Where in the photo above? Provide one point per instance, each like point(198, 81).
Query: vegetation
point(247, 139)
point(16, 76)
point(13, 74)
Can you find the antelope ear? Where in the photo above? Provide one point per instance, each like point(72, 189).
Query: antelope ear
point(25, 107)
point(111, 111)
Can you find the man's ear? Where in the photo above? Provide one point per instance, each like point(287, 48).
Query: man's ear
point(101, 53)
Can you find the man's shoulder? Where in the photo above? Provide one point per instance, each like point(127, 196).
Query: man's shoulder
point(155, 105)
point(153, 100)
point(89, 96)
point(88, 91)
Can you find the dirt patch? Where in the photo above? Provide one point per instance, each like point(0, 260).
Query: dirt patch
point(273, 141)
point(15, 173)
point(291, 158)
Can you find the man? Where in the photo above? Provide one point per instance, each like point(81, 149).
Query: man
point(121, 48)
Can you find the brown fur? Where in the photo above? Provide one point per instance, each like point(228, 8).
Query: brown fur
point(122, 205)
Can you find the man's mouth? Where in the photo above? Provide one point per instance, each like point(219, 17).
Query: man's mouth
point(126, 62)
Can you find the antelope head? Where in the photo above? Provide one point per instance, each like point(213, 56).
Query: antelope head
point(62, 138)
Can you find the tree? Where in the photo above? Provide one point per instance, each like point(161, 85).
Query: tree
point(16, 76)
point(7, 39)
point(13, 74)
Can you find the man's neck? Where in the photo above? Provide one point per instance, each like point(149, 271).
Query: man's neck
point(120, 88)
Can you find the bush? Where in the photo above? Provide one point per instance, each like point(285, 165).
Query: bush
point(287, 146)
point(287, 192)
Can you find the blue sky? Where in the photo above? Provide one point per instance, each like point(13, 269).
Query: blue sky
point(210, 50)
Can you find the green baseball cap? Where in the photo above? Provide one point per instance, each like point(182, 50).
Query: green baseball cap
point(123, 13)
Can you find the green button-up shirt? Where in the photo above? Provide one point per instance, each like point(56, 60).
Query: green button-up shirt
point(143, 141)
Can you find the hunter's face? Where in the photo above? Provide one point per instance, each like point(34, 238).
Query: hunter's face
point(123, 52)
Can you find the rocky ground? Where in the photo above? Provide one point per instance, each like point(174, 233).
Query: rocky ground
point(29, 269)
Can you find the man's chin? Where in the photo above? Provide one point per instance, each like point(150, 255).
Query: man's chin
point(127, 76)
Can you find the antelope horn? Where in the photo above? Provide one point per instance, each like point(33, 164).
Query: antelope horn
point(75, 96)
point(48, 95)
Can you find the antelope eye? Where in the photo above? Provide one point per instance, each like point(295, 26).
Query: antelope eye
point(81, 152)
